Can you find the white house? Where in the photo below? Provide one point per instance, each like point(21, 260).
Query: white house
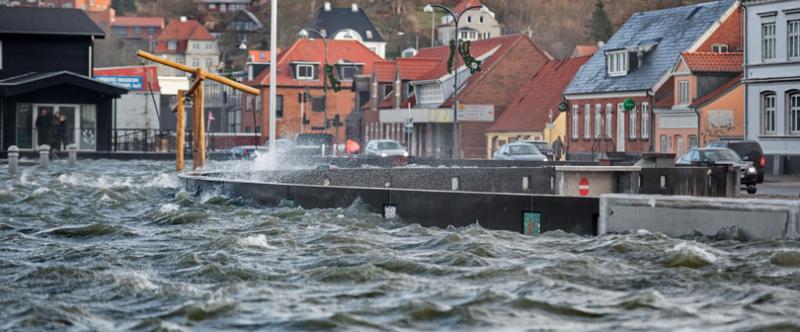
point(772, 81)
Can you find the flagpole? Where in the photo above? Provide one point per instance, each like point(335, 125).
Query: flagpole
point(273, 60)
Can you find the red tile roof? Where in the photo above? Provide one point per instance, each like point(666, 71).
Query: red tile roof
point(181, 32)
point(711, 62)
point(530, 108)
point(719, 91)
point(312, 50)
point(478, 48)
point(134, 21)
point(463, 5)
point(410, 68)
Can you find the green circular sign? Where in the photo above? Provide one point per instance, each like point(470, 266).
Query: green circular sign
point(628, 104)
point(562, 107)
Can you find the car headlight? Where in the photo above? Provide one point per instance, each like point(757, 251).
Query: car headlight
point(751, 170)
point(384, 155)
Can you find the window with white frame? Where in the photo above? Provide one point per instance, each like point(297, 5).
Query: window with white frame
point(209, 63)
point(469, 19)
point(587, 121)
point(195, 62)
point(693, 142)
point(683, 94)
point(195, 45)
point(598, 121)
point(430, 94)
point(621, 117)
point(719, 48)
point(645, 120)
point(768, 41)
point(768, 113)
point(609, 120)
point(794, 112)
point(793, 40)
point(481, 19)
point(617, 63)
point(575, 121)
point(664, 144)
point(304, 72)
point(633, 123)
point(172, 45)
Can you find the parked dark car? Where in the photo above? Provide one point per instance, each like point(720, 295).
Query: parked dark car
point(748, 151)
point(314, 144)
point(722, 156)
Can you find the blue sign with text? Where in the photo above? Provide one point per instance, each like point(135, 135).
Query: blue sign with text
point(127, 82)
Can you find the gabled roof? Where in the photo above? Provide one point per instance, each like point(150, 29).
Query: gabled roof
point(312, 51)
point(34, 81)
point(338, 19)
point(668, 31)
point(181, 32)
point(47, 21)
point(137, 21)
point(718, 92)
point(492, 50)
point(530, 108)
point(712, 62)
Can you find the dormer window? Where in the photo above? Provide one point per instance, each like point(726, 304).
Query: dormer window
point(172, 45)
point(369, 34)
point(304, 72)
point(617, 63)
point(719, 48)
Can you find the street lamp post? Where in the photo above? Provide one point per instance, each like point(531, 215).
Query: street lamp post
point(305, 34)
point(456, 18)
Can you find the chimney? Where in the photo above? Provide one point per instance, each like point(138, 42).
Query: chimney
point(183, 19)
point(327, 6)
point(354, 7)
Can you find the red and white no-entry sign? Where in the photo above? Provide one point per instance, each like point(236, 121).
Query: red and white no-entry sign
point(583, 187)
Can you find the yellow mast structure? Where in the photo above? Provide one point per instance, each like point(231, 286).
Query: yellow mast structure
point(195, 93)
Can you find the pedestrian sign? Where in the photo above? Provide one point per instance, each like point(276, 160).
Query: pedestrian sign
point(531, 223)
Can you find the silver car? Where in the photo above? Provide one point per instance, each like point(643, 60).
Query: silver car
point(519, 151)
point(385, 148)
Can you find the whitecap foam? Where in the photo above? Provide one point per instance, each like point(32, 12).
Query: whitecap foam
point(257, 240)
point(168, 207)
point(689, 255)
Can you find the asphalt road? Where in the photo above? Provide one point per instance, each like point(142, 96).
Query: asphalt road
point(784, 186)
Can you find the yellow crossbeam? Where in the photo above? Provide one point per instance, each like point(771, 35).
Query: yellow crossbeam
point(193, 70)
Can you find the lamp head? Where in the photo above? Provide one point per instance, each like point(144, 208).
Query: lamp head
point(303, 33)
point(428, 9)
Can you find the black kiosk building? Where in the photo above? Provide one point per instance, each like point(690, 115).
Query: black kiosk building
point(46, 63)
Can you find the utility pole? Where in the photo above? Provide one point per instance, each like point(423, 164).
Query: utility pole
point(273, 73)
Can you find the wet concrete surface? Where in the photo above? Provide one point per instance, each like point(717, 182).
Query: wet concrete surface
point(782, 186)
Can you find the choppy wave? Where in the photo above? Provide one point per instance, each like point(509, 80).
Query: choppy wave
point(119, 245)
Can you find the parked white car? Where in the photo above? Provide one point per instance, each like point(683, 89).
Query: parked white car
point(519, 151)
point(385, 148)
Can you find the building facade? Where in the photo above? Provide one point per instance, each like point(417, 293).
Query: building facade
point(34, 87)
point(138, 28)
point(772, 81)
point(88, 5)
point(186, 41)
point(705, 105)
point(222, 6)
point(474, 25)
point(300, 94)
point(636, 64)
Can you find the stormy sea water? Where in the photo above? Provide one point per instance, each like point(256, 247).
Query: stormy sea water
point(116, 245)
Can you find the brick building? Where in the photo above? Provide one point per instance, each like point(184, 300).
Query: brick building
point(300, 69)
point(637, 63)
point(508, 62)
